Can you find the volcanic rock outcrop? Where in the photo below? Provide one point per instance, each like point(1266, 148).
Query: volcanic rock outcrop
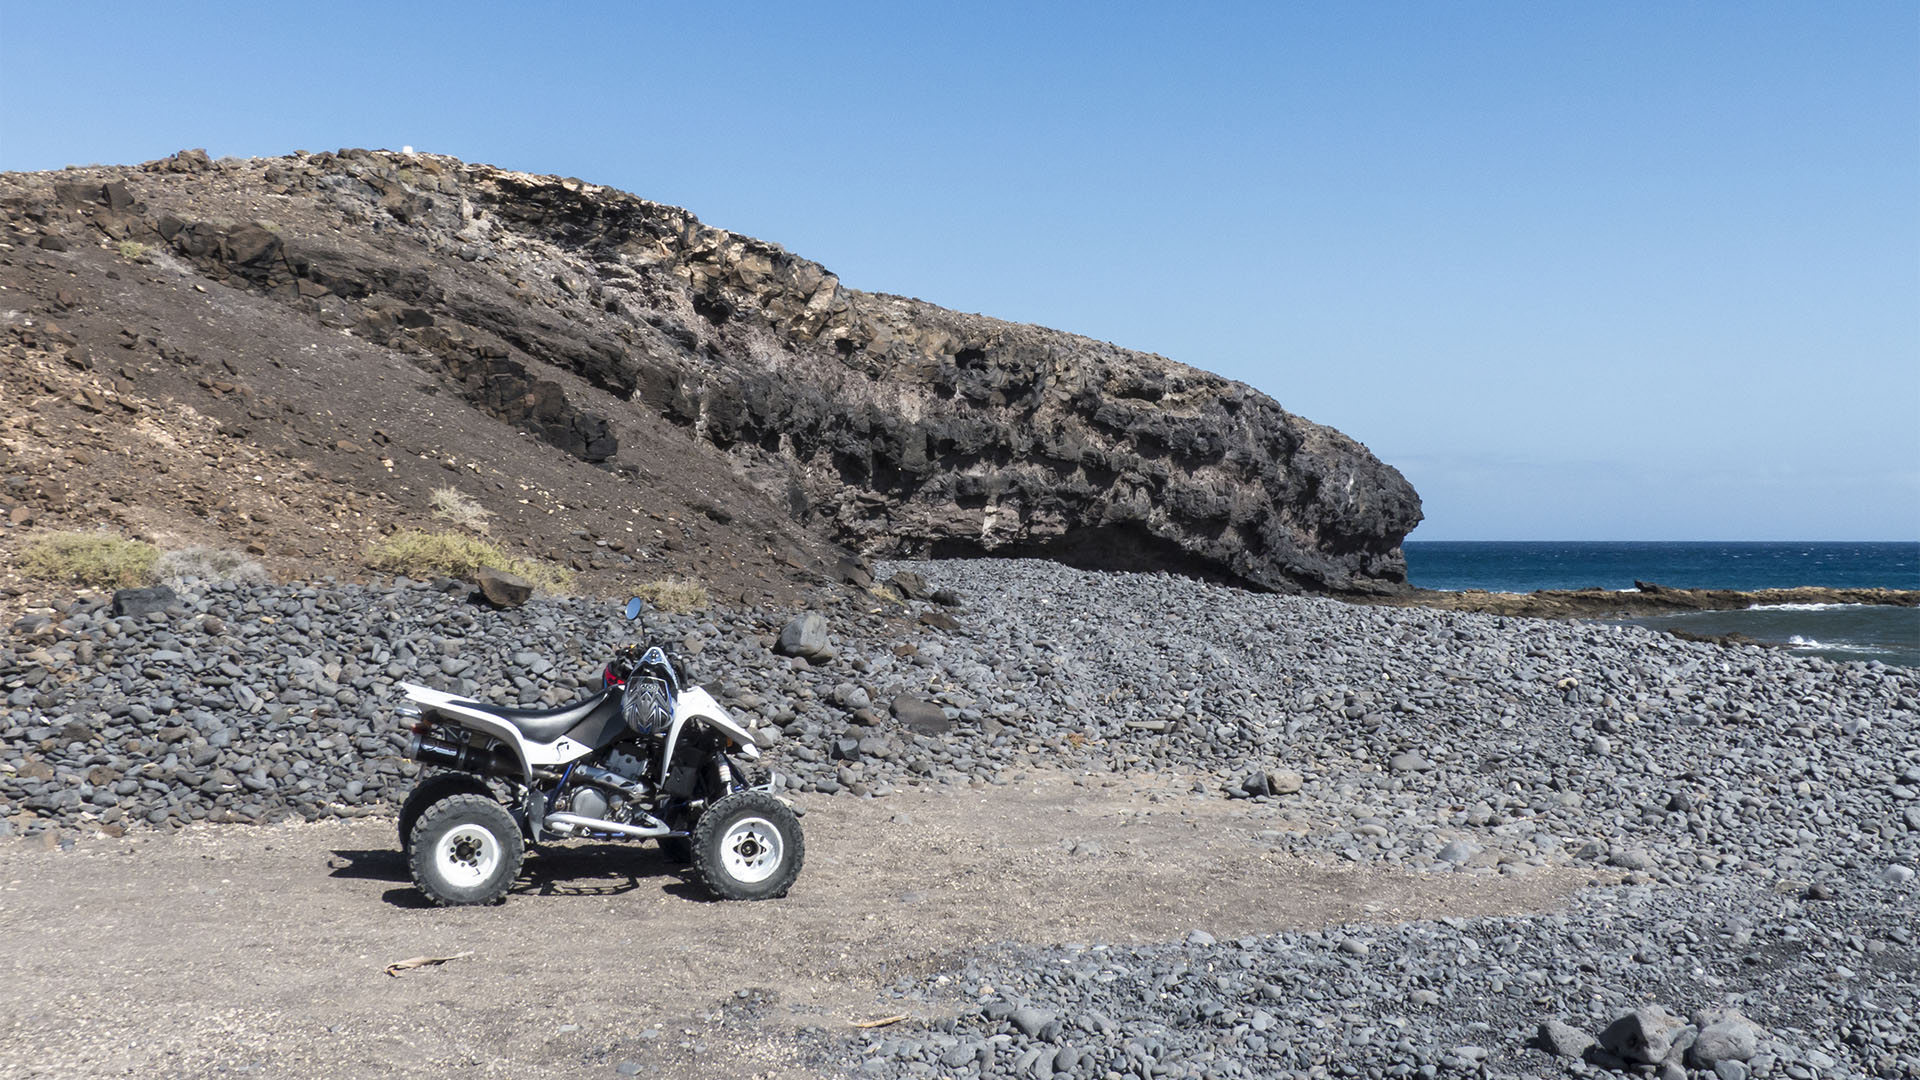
point(901, 427)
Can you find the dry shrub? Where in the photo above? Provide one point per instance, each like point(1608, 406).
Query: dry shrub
point(451, 504)
point(209, 564)
point(678, 595)
point(420, 554)
point(97, 560)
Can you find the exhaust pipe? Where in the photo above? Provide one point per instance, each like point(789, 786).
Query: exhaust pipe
point(492, 761)
point(657, 828)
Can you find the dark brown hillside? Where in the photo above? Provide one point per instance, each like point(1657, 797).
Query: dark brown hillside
point(630, 391)
point(140, 395)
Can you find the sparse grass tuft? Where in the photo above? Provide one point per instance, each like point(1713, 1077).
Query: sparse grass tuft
point(421, 554)
point(450, 504)
point(97, 560)
point(680, 596)
point(131, 249)
point(209, 564)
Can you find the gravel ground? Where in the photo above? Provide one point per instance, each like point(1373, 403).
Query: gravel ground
point(1833, 988)
point(1753, 817)
point(261, 949)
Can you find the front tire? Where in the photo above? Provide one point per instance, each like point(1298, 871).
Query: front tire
point(465, 849)
point(748, 846)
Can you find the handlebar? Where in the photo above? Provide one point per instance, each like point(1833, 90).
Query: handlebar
point(627, 658)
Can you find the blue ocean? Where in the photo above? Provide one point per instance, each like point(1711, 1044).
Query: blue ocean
point(1835, 631)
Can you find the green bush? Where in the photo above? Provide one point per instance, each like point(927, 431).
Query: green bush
point(421, 554)
point(96, 560)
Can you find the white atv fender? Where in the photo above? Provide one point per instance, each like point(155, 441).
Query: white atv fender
point(695, 705)
point(475, 715)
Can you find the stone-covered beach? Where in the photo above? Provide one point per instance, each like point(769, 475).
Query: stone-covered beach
point(1744, 824)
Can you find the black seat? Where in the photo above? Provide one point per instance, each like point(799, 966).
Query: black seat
point(543, 725)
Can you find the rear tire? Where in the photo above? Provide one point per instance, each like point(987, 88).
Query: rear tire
point(748, 846)
point(430, 790)
point(465, 849)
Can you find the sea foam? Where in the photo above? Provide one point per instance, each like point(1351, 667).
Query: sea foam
point(1801, 607)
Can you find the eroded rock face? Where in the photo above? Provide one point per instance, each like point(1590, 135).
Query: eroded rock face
point(915, 430)
point(903, 428)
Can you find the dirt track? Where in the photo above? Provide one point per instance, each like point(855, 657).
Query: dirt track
point(260, 951)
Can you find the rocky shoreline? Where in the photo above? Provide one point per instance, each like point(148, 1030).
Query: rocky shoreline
point(1750, 820)
point(1645, 598)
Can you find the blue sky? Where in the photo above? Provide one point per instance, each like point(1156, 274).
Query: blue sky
point(1596, 271)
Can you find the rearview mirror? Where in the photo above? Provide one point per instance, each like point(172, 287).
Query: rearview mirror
point(634, 607)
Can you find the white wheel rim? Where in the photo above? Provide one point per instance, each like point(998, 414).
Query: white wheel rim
point(467, 855)
point(751, 850)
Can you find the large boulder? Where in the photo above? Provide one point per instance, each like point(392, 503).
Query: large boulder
point(1725, 1035)
point(920, 715)
point(805, 636)
point(138, 602)
point(1562, 1040)
point(502, 589)
point(1649, 1035)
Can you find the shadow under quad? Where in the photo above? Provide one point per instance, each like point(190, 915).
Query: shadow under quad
point(587, 869)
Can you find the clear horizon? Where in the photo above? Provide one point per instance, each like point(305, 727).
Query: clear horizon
point(1579, 273)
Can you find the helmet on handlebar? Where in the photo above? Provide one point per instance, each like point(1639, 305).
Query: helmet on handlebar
point(644, 706)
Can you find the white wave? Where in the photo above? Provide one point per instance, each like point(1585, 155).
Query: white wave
point(1798, 642)
point(1801, 607)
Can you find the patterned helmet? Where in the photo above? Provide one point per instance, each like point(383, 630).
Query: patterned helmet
point(645, 707)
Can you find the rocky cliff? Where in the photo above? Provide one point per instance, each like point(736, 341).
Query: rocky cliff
point(562, 307)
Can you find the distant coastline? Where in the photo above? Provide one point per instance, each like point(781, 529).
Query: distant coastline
point(1840, 601)
point(1524, 566)
point(1647, 599)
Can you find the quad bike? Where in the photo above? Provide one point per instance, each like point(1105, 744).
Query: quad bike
point(648, 757)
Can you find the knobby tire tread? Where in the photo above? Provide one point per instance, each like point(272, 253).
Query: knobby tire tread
point(714, 823)
point(459, 809)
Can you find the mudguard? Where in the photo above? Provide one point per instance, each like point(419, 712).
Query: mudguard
point(695, 706)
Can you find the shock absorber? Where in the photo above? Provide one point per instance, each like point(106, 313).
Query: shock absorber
point(724, 772)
